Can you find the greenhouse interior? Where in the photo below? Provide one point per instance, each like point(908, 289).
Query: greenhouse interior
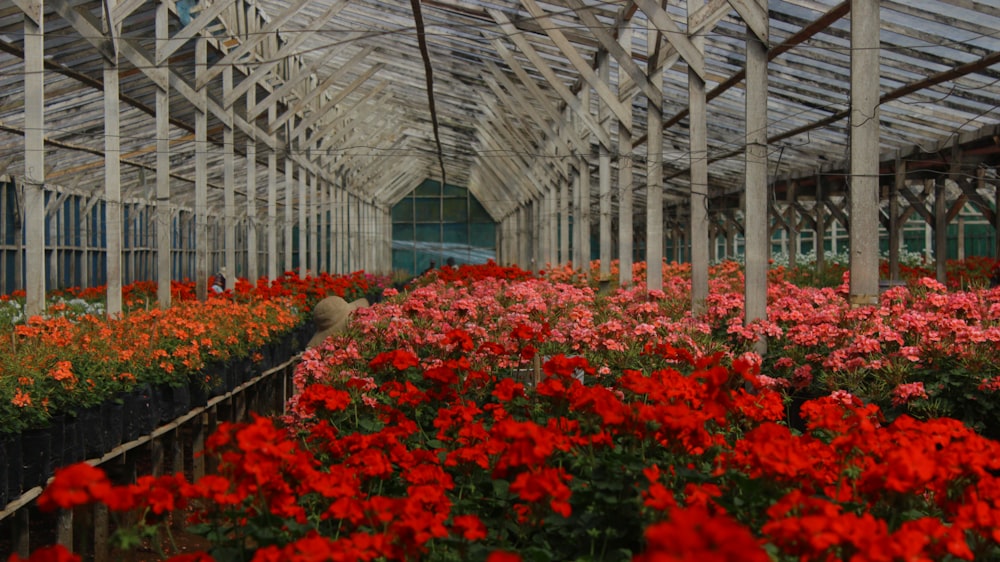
point(499, 280)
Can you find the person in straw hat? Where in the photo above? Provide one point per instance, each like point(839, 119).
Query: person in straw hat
point(331, 316)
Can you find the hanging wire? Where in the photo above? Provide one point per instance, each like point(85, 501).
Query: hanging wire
point(418, 19)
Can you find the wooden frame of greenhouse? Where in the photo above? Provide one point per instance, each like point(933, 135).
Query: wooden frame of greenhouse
point(166, 139)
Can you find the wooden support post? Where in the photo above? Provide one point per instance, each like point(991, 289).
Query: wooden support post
point(112, 184)
point(864, 141)
point(64, 528)
point(102, 523)
point(940, 232)
point(289, 206)
point(302, 220)
point(564, 213)
point(625, 163)
point(701, 252)
point(201, 176)
point(792, 221)
point(229, 187)
point(755, 227)
point(604, 116)
point(895, 224)
point(981, 178)
point(21, 535)
point(198, 434)
point(163, 210)
point(33, 221)
point(253, 268)
point(654, 165)
point(313, 224)
point(820, 216)
point(157, 456)
point(581, 220)
point(272, 200)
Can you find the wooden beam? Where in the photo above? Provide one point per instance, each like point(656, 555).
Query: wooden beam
point(337, 98)
point(754, 16)
point(32, 10)
point(33, 222)
point(252, 41)
point(546, 71)
point(288, 49)
point(662, 21)
point(574, 57)
point(205, 17)
point(85, 24)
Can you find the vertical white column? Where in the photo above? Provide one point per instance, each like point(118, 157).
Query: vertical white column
point(201, 176)
point(757, 245)
point(864, 140)
point(698, 229)
point(289, 207)
point(34, 160)
point(625, 168)
point(163, 230)
point(253, 270)
point(314, 224)
point(654, 172)
point(272, 200)
point(229, 187)
point(604, 182)
point(112, 184)
point(304, 268)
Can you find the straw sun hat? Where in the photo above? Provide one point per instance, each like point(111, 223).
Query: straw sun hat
point(331, 315)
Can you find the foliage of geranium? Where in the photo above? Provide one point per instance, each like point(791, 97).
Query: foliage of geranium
point(422, 433)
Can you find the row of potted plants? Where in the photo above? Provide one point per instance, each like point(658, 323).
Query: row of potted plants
point(425, 432)
point(75, 383)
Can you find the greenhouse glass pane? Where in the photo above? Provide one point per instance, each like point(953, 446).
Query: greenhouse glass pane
point(428, 233)
point(402, 231)
point(456, 233)
point(482, 235)
point(402, 260)
point(428, 188)
point(455, 210)
point(455, 191)
point(403, 211)
point(427, 209)
point(476, 211)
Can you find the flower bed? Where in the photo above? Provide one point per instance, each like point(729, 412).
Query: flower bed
point(423, 434)
point(75, 383)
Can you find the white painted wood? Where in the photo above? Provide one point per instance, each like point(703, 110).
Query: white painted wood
point(864, 147)
point(112, 187)
point(189, 31)
point(661, 21)
point(34, 158)
point(757, 243)
point(564, 217)
point(654, 171)
point(32, 10)
point(201, 148)
point(229, 189)
point(314, 224)
point(625, 175)
point(289, 49)
point(289, 206)
point(583, 217)
point(624, 59)
point(253, 269)
point(272, 204)
point(87, 26)
point(340, 95)
point(573, 56)
point(249, 42)
point(604, 181)
point(754, 16)
point(698, 142)
point(545, 70)
point(302, 220)
point(163, 210)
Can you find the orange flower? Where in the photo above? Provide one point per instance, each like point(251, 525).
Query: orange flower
point(21, 399)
